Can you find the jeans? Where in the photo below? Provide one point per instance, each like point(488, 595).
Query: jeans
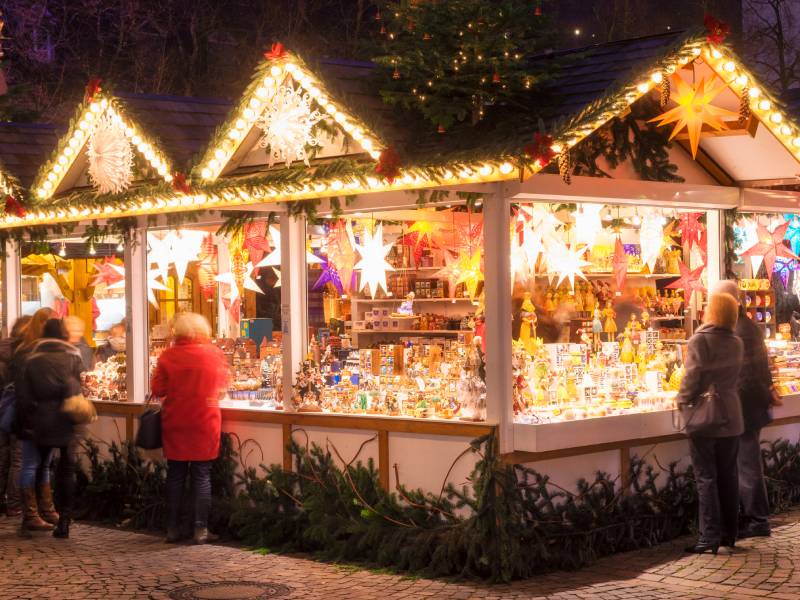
point(201, 490)
point(716, 476)
point(10, 464)
point(36, 461)
point(752, 488)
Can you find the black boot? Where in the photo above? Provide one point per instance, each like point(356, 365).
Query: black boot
point(702, 548)
point(62, 529)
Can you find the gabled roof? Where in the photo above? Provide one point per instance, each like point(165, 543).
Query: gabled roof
point(23, 147)
point(280, 69)
point(60, 173)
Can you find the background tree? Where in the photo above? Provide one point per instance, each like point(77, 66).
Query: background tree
point(772, 40)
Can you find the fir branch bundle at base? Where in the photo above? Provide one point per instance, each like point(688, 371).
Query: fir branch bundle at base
point(510, 522)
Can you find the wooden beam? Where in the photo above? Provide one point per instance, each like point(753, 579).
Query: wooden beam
point(383, 459)
point(749, 127)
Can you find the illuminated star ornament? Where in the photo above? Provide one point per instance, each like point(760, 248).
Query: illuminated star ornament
point(373, 264)
point(567, 263)
point(587, 224)
point(784, 266)
point(691, 228)
point(273, 259)
point(449, 271)
point(793, 232)
point(651, 239)
point(770, 246)
point(154, 284)
point(110, 274)
point(620, 265)
point(694, 109)
point(329, 275)
point(470, 272)
point(255, 240)
point(689, 280)
point(341, 256)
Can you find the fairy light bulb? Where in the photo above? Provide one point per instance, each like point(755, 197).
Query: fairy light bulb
point(63, 250)
point(92, 250)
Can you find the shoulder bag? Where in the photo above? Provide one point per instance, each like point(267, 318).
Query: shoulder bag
point(705, 413)
point(8, 409)
point(148, 436)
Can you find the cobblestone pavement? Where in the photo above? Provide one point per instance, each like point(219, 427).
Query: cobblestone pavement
point(105, 563)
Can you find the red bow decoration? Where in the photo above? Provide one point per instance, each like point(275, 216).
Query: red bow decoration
point(179, 183)
point(92, 89)
point(540, 150)
point(388, 164)
point(717, 30)
point(14, 207)
point(277, 51)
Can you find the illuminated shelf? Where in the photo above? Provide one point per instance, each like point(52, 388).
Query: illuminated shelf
point(414, 331)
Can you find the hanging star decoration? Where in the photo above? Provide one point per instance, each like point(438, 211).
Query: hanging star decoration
point(651, 239)
point(587, 224)
point(373, 264)
point(255, 240)
point(109, 273)
point(567, 263)
point(288, 124)
point(469, 272)
point(154, 284)
point(694, 109)
point(770, 246)
point(248, 282)
point(273, 259)
point(689, 281)
point(278, 277)
point(207, 267)
point(229, 279)
point(449, 272)
point(620, 265)
point(341, 253)
point(159, 253)
point(526, 247)
point(184, 246)
point(793, 232)
point(329, 275)
point(783, 267)
point(691, 227)
point(669, 233)
point(423, 234)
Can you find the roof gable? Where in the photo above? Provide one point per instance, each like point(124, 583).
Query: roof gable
point(283, 78)
point(23, 147)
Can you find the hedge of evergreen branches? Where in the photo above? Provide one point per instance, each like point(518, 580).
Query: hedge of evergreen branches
point(509, 522)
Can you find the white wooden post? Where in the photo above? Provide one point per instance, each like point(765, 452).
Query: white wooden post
point(497, 275)
point(715, 259)
point(12, 302)
point(294, 313)
point(223, 266)
point(137, 342)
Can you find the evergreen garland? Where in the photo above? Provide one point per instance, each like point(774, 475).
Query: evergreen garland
point(509, 522)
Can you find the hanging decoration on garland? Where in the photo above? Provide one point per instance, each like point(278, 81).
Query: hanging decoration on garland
point(93, 87)
point(665, 89)
point(540, 152)
point(690, 281)
point(620, 265)
point(109, 273)
point(694, 109)
point(110, 156)
point(770, 246)
point(373, 264)
point(180, 184)
point(651, 239)
point(14, 207)
point(388, 164)
point(565, 165)
point(288, 123)
point(277, 52)
point(717, 30)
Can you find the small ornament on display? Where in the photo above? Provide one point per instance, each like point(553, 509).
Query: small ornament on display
point(14, 207)
point(527, 328)
point(180, 184)
point(308, 387)
point(276, 52)
point(388, 164)
point(406, 308)
point(565, 166)
point(610, 325)
point(540, 152)
point(110, 156)
point(288, 124)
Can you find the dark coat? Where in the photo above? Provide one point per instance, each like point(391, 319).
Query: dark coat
point(755, 378)
point(87, 354)
point(51, 374)
point(7, 347)
point(715, 356)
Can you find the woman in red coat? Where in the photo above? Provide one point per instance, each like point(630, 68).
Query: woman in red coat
point(191, 376)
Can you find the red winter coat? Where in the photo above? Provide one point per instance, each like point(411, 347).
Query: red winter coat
point(190, 376)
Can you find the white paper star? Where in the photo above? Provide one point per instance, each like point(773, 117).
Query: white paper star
point(278, 275)
point(587, 224)
point(230, 280)
point(373, 265)
point(184, 247)
point(159, 253)
point(568, 264)
point(651, 239)
point(273, 259)
point(249, 282)
point(154, 284)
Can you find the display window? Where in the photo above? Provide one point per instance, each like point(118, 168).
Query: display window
point(395, 302)
point(84, 283)
point(603, 300)
point(765, 259)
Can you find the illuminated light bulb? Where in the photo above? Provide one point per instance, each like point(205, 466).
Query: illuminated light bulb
point(51, 176)
point(796, 142)
point(786, 130)
point(729, 66)
point(62, 160)
point(485, 170)
point(357, 135)
point(47, 185)
point(716, 54)
point(219, 154)
point(556, 148)
point(696, 51)
point(234, 134)
point(68, 151)
point(366, 144)
point(506, 168)
point(331, 109)
point(320, 187)
point(149, 155)
point(375, 154)
point(213, 163)
point(103, 103)
point(73, 211)
point(372, 182)
point(776, 117)
point(268, 81)
point(340, 118)
point(63, 250)
point(764, 105)
point(656, 77)
point(290, 67)
point(167, 177)
point(73, 143)
point(261, 92)
point(92, 251)
point(206, 173)
point(108, 209)
point(407, 179)
point(255, 103)
point(82, 124)
point(464, 174)
point(754, 92)
point(78, 135)
point(742, 79)
point(249, 114)
point(336, 185)
point(94, 107)
point(642, 88)
point(57, 168)
point(41, 193)
point(162, 169)
point(353, 184)
point(448, 174)
point(89, 116)
point(275, 71)
point(240, 124)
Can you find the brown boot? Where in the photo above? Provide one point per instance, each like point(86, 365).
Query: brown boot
point(31, 521)
point(47, 509)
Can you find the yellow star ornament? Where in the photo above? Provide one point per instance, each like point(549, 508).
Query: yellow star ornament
point(373, 264)
point(469, 272)
point(694, 109)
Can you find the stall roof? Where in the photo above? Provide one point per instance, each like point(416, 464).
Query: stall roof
point(23, 147)
point(593, 86)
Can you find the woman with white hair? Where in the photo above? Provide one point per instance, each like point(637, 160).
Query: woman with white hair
point(190, 377)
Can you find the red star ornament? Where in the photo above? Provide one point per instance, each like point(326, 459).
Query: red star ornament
point(691, 227)
point(620, 265)
point(770, 246)
point(689, 281)
point(207, 267)
point(341, 254)
point(108, 273)
point(255, 241)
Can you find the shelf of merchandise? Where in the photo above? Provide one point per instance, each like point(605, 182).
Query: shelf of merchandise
point(413, 331)
point(379, 300)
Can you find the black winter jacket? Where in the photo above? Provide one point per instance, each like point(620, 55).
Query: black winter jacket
point(50, 374)
point(755, 378)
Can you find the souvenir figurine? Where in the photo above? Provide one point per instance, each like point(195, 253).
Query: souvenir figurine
point(626, 351)
point(645, 320)
point(549, 304)
point(597, 329)
point(610, 326)
point(527, 330)
point(407, 306)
